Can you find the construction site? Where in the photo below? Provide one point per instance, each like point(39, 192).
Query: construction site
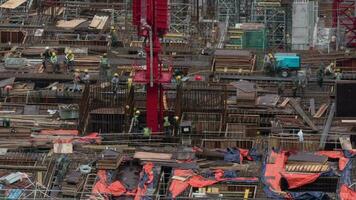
point(178, 99)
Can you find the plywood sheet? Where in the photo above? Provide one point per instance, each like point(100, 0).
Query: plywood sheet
point(98, 22)
point(70, 24)
point(152, 156)
point(12, 4)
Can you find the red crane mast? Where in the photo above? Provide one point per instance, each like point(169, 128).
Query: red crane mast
point(151, 19)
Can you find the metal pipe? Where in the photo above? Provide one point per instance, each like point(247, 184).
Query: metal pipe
point(151, 57)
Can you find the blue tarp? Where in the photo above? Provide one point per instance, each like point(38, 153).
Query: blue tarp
point(232, 155)
point(308, 195)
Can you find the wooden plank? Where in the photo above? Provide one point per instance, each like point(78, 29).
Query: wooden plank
point(98, 22)
point(284, 103)
point(70, 24)
point(150, 155)
point(12, 4)
point(348, 121)
point(301, 112)
point(321, 110)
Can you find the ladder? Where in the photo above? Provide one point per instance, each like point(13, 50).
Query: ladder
point(88, 186)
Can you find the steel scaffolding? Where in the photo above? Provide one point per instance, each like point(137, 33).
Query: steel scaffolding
point(180, 15)
point(228, 9)
point(344, 17)
point(274, 18)
point(119, 10)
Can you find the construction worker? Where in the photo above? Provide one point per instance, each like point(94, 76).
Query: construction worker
point(114, 37)
point(302, 84)
point(280, 88)
point(178, 79)
point(289, 42)
point(86, 76)
point(147, 132)
point(69, 60)
point(54, 61)
point(8, 89)
point(295, 87)
point(338, 74)
point(176, 124)
point(329, 70)
point(136, 121)
point(167, 126)
point(115, 83)
point(46, 56)
point(76, 80)
point(269, 63)
point(129, 83)
point(320, 76)
point(6, 123)
point(104, 68)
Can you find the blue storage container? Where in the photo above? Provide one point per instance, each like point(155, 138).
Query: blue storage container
point(287, 61)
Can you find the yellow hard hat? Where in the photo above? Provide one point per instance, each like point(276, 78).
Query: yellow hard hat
point(116, 74)
point(76, 70)
point(112, 27)
point(86, 71)
point(129, 80)
point(138, 112)
point(53, 53)
point(178, 77)
point(270, 55)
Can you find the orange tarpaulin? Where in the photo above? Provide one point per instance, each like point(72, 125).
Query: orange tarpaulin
point(59, 132)
point(193, 180)
point(147, 170)
point(177, 186)
point(347, 193)
point(335, 155)
point(273, 169)
point(115, 189)
point(296, 180)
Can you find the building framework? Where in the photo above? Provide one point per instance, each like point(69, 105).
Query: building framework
point(274, 17)
point(180, 15)
point(344, 17)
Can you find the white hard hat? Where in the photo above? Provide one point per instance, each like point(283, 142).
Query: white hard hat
point(47, 47)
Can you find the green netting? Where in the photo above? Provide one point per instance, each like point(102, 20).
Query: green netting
point(255, 39)
point(235, 41)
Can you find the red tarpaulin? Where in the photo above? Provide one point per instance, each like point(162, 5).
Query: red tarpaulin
point(89, 138)
point(347, 193)
point(115, 189)
point(59, 132)
point(296, 180)
point(244, 153)
point(273, 169)
point(147, 170)
point(199, 181)
point(177, 186)
point(335, 155)
point(193, 180)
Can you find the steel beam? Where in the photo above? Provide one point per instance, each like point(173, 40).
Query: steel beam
point(327, 126)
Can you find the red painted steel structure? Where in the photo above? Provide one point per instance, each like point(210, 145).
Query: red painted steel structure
point(151, 19)
point(344, 17)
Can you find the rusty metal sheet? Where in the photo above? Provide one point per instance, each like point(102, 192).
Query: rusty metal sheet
point(31, 110)
point(307, 157)
point(268, 100)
